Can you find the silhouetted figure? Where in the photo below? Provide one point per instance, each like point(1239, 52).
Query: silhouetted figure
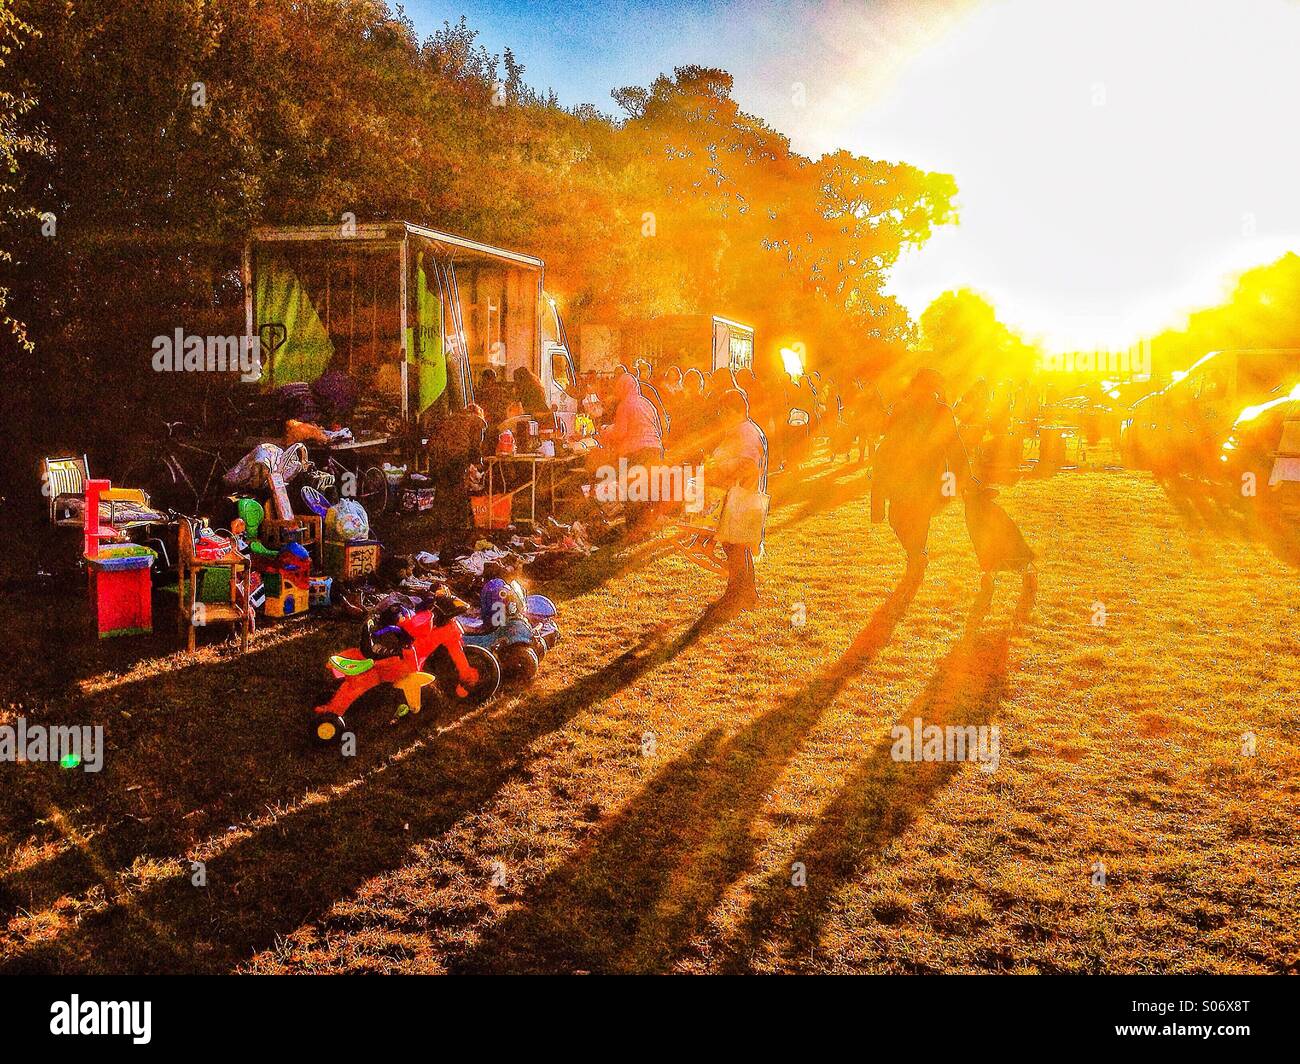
point(530, 393)
point(494, 397)
point(740, 458)
point(998, 542)
point(920, 464)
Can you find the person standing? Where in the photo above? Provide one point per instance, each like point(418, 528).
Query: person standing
point(634, 442)
point(919, 465)
point(690, 418)
point(739, 459)
point(493, 397)
point(529, 393)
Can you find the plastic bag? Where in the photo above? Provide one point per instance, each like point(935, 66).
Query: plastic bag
point(743, 516)
point(345, 521)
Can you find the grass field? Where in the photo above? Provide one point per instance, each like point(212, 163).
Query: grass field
point(642, 807)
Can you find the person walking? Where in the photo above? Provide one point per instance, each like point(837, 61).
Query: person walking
point(920, 464)
point(739, 459)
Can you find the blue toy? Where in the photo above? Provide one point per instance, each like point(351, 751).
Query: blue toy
point(519, 629)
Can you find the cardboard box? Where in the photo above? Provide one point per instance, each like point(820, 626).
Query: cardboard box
point(351, 561)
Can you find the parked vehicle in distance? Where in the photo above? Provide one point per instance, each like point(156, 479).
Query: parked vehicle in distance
point(689, 341)
point(1261, 456)
point(1180, 429)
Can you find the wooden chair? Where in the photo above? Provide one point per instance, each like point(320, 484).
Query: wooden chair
point(194, 613)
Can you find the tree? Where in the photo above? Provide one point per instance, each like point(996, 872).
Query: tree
point(1263, 311)
point(17, 140)
point(746, 224)
point(178, 126)
point(963, 339)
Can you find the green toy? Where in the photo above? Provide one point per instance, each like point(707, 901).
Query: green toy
point(252, 514)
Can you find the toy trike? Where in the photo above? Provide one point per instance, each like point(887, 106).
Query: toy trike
point(518, 629)
point(396, 661)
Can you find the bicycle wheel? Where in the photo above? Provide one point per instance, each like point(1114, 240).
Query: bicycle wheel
point(372, 491)
point(161, 474)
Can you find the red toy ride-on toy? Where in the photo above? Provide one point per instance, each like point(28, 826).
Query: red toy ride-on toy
point(396, 661)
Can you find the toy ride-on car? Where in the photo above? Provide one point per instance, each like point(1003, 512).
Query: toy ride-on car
point(402, 652)
point(518, 629)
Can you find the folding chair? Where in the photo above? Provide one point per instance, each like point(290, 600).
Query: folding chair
point(64, 481)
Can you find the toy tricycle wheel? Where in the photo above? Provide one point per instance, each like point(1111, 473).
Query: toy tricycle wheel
point(482, 661)
point(519, 663)
point(327, 727)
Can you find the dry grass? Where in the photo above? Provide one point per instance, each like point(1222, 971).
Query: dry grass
point(640, 809)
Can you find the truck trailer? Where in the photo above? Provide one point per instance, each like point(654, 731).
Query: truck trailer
point(412, 314)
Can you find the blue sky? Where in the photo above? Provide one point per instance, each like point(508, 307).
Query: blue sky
point(837, 51)
point(1117, 160)
point(583, 49)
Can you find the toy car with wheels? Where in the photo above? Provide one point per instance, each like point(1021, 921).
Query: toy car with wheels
point(518, 629)
point(397, 660)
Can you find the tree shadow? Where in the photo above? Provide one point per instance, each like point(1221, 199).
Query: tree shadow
point(629, 900)
point(876, 805)
point(291, 868)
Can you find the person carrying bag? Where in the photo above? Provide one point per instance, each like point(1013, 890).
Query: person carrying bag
point(739, 464)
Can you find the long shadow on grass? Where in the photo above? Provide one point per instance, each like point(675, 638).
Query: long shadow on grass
point(291, 871)
point(1205, 508)
point(193, 748)
point(190, 749)
point(628, 901)
point(877, 804)
point(188, 744)
point(806, 499)
point(605, 565)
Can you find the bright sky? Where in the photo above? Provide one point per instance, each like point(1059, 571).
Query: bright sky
point(1117, 160)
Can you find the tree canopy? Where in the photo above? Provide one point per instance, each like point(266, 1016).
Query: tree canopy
point(174, 126)
point(964, 339)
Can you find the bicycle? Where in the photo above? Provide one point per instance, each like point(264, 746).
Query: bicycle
point(368, 486)
point(166, 465)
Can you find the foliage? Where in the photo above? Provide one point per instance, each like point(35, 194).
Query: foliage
point(177, 125)
point(17, 139)
point(964, 340)
point(1262, 311)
